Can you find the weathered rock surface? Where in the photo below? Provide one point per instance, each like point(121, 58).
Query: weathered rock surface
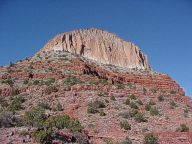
point(101, 46)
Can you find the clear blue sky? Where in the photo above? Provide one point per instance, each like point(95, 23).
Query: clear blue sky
point(161, 28)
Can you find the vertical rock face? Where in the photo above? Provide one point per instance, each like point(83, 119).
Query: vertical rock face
point(101, 46)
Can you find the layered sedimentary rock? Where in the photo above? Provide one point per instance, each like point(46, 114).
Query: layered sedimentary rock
point(101, 46)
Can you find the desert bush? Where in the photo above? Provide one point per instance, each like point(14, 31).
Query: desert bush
point(25, 82)
point(36, 82)
point(8, 81)
point(51, 89)
point(150, 139)
point(126, 141)
point(151, 102)
point(42, 136)
point(7, 119)
point(127, 102)
point(125, 125)
point(173, 104)
point(49, 81)
point(144, 90)
point(70, 81)
point(120, 86)
point(35, 117)
point(44, 105)
point(182, 128)
point(154, 111)
point(102, 113)
point(161, 98)
point(133, 105)
point(139, 102)
point(15, 105)
point(133, 97)
point(94, 106)
point(112, 98)
point(3, 102)
point(133, 112)
point(80, 138)
point(147, 107)
point(139, 117)
point(14, 91)
point(103, 81)
point(59, 107)
point(124, 114)
point(173, 92)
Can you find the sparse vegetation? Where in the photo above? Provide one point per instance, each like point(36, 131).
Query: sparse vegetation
point(139, 117)
point(173, 92)
point(173, 104)
point(94, 106)
point(126, 141)
point(70, 81)
point(7, 119)
point(154, 111)
point(161, 98)
point(125, 125)
point(120, 86)
point(150, 139)
point(182, 128)
point(51, 89)
point(133, 105)
point(124, 114)
point(139, 102)
point(112, 98)
point(15, 105)
point(59, 107)
point(147, 107)
point(3, 102)
point(127, 102)
point(44, 105)
point(133, 97)
point(8, 81)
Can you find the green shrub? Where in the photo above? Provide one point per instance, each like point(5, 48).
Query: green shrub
point(133, 112)
point(120, 86)
point(151, 102)
point(125, 125)
point(154, 111)
point(147, 107)
point(49, 81)
point(126, 141)
point(70, 81)
point(15, 105)
point(8, 81)
point(59, 107)
point(161, 98)
point(133, 97)
point(112, 98)
point(124, 114)
point(36, 82)
point(7, 119)
point(150, 139)
point(133, 105)
point(127, 102)
point(35, 117)
point(102, 113)
point(144, 90)
point(25, 82)
point(44, 105)
point(173, 92)
point(50, 89)
point(3, 102)
point(42, 136)
point(94, 106)
point(139, 117)
point(139, 102)
point(103, 81)
point(182, 128)
point(173, 104)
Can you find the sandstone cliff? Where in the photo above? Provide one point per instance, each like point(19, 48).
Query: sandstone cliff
point(101, 46)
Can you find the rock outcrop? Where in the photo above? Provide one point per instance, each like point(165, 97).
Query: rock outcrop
point(101, 46)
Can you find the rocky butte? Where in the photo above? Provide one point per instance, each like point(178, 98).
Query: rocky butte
point(91, 87)
point(101, 46)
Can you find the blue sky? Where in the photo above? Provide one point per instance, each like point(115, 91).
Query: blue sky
point(161, 28)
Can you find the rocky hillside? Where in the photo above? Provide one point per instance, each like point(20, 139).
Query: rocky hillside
point(61, 96)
